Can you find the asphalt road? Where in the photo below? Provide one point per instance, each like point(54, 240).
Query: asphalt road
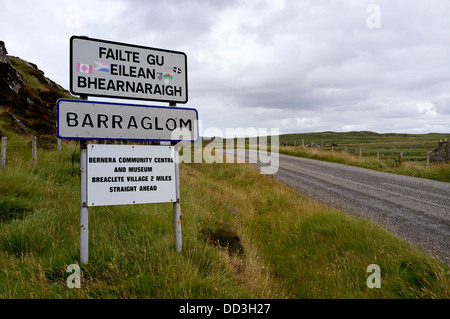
point(415, 209)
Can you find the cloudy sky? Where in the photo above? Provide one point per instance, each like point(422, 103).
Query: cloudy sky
point(296, 65)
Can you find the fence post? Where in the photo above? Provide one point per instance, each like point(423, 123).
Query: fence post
point(3, 153)
point(33, 150)
point(360, 152)
point(428, 159)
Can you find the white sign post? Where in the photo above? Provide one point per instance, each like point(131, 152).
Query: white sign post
point(176, 204)
point(126, 174)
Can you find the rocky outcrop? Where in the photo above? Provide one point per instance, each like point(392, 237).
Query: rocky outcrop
point(3, 53)
point(441, 154)
point(27, 98)
point(10, 81)
point(313, 145)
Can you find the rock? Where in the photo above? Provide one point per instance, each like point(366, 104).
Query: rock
point(11, 79)
point(17, 125)
point(3, 53)
point(441, 154)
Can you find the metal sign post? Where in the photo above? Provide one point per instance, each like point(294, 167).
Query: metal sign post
point(119, 70)
point(176, 204)
point(84, 212)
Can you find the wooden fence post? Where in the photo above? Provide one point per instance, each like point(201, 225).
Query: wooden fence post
point(3, 153)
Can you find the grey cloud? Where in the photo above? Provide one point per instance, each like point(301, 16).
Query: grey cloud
point(311, 62)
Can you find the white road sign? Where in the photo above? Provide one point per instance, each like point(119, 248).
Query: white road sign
point(120, 70)
point(130, 174)
point(78, 119)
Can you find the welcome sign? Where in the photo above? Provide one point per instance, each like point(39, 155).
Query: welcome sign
point(119, 70)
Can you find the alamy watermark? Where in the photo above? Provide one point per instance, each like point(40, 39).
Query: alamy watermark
point(73, 20)
point(373, 20)
point(374, 279)
point(263, 147)
point(74, 280)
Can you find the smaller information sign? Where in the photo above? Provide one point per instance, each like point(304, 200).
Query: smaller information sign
point(130, 174)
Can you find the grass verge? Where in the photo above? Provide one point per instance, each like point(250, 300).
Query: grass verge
point(245, 235)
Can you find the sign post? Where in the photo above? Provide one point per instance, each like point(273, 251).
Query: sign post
point(176, 204)
point(84, 212)
point(115, 174)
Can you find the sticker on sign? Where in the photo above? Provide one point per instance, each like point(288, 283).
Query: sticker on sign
point(78, 119)
point(120, 70)
point(130, 174)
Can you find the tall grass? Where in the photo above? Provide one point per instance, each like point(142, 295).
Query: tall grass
point(245, 235)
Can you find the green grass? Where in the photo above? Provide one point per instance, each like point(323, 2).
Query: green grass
point(35, 81)
point(245, 235)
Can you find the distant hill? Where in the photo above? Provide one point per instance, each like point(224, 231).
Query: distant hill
point(359, 138)
point(27, 97)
